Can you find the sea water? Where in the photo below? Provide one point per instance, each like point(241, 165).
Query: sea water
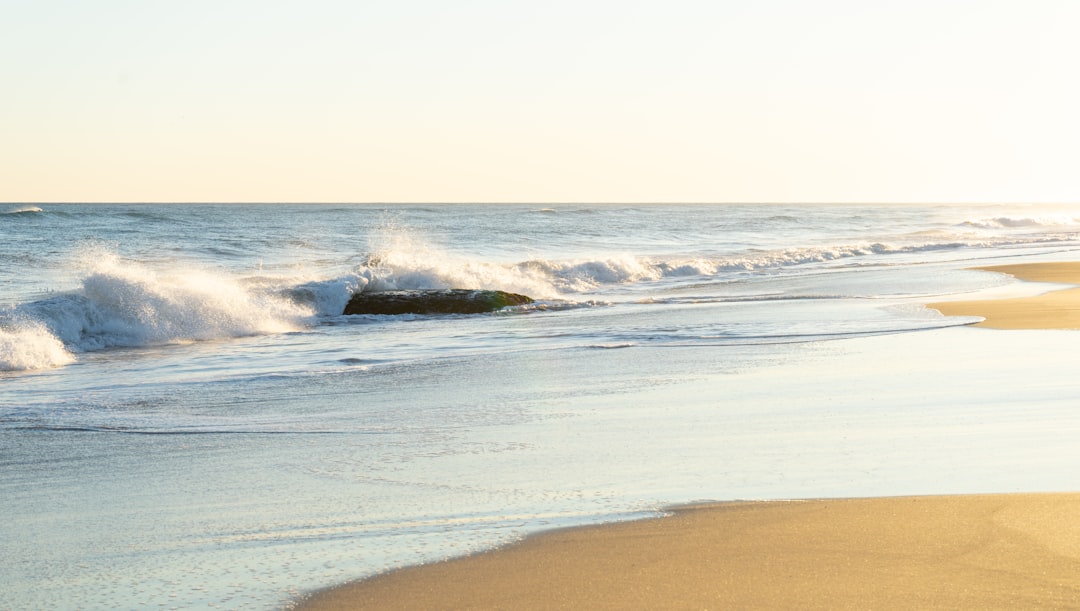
point(188, 420)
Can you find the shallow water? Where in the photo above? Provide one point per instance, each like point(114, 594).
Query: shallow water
point(217, 434)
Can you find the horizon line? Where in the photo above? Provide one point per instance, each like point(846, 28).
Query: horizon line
point(545, 203)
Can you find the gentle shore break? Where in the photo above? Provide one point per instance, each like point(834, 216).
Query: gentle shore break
point(975, 551)
point(943, 552)
point(1054, 310)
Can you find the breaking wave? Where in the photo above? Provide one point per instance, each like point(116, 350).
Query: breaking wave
point(126, 304)
point(27, 209)
point(401, 262)
point(1020, 222)
point(26, 345)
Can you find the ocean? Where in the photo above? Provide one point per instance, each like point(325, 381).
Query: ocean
point(188, 420)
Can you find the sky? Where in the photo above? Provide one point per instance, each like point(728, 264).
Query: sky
point(553, 101)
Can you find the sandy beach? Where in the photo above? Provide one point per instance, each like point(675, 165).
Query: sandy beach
point(993, 551)
point(973, 551)
point(1059, 309)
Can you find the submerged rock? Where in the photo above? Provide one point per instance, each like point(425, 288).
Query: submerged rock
point(439, 301)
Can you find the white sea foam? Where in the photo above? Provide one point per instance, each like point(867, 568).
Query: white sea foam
point(586, 274)
point(141, 306)
point(401, 261)
point(406, 263)
point(1016, 222)
point(123, 303)
point(29, 345)
point(25, 209)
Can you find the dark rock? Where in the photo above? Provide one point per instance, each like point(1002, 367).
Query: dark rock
point(440, 301)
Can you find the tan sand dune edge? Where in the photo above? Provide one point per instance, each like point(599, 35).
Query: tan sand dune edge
point(977, 551)
point(1053, 310)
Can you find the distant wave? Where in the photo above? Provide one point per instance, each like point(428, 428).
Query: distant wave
point(585, 275)
point(152, 214)
point(190, 430)
point(27, 209)
point(1010, 222)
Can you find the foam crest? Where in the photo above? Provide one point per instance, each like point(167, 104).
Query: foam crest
point(585, 275)
point(401, 262)
point(26, 209)
point(1021, 222)
point(126, 304)
point(29, 345)
point(588, 274)
point(129, 304)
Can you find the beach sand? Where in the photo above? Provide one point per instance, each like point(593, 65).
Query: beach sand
point(1053, 310)
point(992, 551)
point(943, 552)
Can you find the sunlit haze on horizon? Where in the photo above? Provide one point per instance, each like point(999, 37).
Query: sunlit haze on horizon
point(595, 100)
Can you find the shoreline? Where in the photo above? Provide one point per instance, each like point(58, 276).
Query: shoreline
point(964, 551)
point(996, 550)
point(1056, 309)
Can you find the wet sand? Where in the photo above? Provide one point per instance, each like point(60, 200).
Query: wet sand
point(992, 551)
point(1058, 309)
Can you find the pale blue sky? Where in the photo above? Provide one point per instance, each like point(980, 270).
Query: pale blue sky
point(601, 100)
